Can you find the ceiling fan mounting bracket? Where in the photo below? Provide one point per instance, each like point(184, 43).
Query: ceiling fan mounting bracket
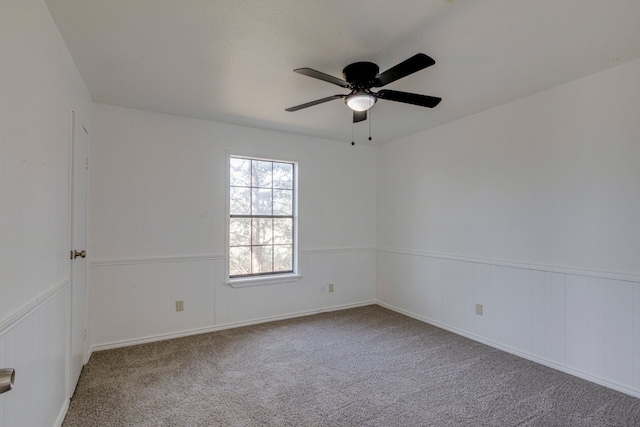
point(361, 75)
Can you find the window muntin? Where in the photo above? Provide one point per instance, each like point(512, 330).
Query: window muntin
point(261, 217)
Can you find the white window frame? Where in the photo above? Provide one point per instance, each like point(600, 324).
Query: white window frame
point(265, 279)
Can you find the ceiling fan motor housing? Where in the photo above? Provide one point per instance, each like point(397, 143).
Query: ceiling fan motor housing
point(361, 75)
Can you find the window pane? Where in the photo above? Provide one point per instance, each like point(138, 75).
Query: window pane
point(262, 175)
point(240, 172)
point(262, 259)
point(282, 202)
point(283, 258)
point(282, 231)
point(239, 232)
point(240, 201)
point(239, 261)
point(262, 231)
point(260, 190)
point(261, 202)
point(283, 175)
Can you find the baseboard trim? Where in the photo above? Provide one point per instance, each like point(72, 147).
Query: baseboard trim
point(232, 325)
point(87, 356)
point(62, 414)
point(549, 363)
point(525, 355)
point(24, 311)
point(627, 277)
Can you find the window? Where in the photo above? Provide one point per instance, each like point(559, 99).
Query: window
point(262, 221)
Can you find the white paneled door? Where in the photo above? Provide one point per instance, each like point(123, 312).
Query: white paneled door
point(80, 149)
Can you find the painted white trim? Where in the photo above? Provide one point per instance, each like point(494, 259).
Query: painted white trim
point(162, 337)
point(154, 260)
point(17, 316)
point(628, 277)
point(229, 153)
point(263, 280)
point(525, 355)
point(70, 184)
point(339, 250)
point(213, 256)
point(62, 414)
point(87, 355)
point(73, 144)
point(67, 326)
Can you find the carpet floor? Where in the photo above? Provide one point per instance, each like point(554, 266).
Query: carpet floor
point(367, 366)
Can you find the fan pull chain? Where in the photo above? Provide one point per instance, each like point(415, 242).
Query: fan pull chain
point(352, 140)
point(370, 125)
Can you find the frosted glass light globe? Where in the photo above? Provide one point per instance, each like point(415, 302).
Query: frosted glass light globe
point(360, 101)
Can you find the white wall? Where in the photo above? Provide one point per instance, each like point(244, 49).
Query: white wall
point(34, 133)
point(530, 209)
point(38, 87)
point(157, 221)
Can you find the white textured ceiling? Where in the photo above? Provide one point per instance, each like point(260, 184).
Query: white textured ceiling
point(233, 60)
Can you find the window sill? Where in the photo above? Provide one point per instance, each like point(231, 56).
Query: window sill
point(258, 281)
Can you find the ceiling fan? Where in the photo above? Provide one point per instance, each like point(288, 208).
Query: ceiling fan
point(360, 77)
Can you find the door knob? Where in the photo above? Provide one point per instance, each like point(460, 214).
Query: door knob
point(7, 376)
point(76, 254)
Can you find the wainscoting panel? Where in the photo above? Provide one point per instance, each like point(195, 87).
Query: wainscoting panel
point(351, 271)
point(582, 324)
point(2, 365)
point(36, 345)
point(581, 330)
point(247, 304)
point(522, 310)
point(412, 282)
point(482, 294)
point(133, 301)
point(554, 317)
point(636, 336)
point(500, 309)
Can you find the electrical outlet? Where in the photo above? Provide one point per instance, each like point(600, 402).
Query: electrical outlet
point(180, 305)
point(479, 309)
point(330, 287)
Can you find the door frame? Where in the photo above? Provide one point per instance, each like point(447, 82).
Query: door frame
point(75, 117)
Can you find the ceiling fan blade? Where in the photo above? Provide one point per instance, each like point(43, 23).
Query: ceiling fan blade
point(316, 102)
point(409, 98)
point(322, 76)
point(403, 69)
point(359, 116)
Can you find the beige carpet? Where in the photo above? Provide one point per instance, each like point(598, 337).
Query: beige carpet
point(361, 367)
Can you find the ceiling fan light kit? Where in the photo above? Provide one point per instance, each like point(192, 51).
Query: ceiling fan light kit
point(360, 101)
point(360, 77)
